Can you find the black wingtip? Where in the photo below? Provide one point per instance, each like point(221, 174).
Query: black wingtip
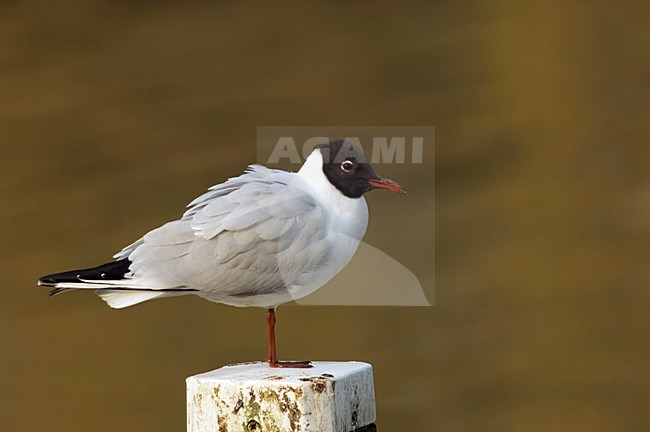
point(110, 271)
point(46, 281)
point(53, 279)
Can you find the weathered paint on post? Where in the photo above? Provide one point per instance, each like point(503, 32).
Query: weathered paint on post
point(330, 397)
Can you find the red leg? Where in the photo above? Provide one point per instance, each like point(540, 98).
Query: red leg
point(270, 327)
point(273, 355)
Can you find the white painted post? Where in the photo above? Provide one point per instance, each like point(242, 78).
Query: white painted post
point(330, 397)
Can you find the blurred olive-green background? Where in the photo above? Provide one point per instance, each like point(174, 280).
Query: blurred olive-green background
point(114, 115)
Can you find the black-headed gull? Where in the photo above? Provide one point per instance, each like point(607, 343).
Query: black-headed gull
point(261, 239)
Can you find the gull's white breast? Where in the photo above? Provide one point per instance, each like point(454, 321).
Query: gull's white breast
point(347, 221)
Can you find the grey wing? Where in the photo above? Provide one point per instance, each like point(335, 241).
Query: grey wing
point(259, 233)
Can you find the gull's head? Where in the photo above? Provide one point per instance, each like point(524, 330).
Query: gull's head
point(346, 167)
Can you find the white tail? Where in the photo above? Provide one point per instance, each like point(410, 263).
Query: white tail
point(119, 299)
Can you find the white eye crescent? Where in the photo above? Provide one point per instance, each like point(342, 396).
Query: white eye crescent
point(347, 166)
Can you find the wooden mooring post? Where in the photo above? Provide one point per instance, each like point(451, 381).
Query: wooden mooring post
point(330, 397)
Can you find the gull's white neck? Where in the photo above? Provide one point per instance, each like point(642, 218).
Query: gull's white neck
point(312, 172)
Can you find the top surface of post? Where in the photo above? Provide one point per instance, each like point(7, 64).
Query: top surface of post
point(260, 371)
point(330, 397)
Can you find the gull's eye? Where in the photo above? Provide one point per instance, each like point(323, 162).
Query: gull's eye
point(347, 166)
